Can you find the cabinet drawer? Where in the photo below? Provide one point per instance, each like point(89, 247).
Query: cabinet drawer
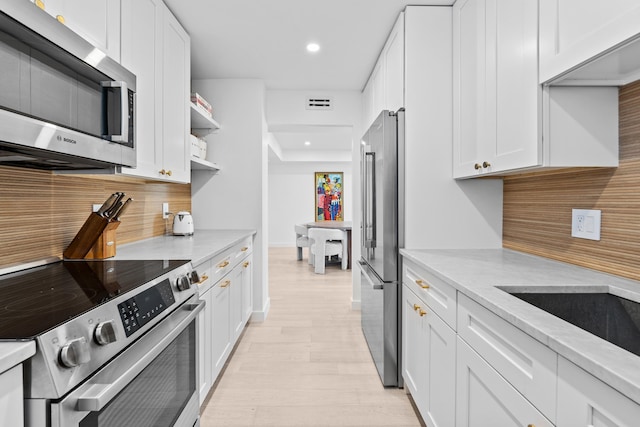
point(204, 272)
point(439, 296)
point(241, 250)
point(584, 400)
point(528, 365)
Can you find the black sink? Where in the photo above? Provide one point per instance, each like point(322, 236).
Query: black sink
point(608, 316)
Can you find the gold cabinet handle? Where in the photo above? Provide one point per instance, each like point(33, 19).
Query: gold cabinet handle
point(531, 425)
point(245, 264)
point(422, 284)
point(416, 307)
point(203, 279)
point(244, 249)
point(223, 264)
point(60, 19)
point(225, 284)
point(486, 164)
point(169, 173)
point(422, 312)
point(477, 166)
point(162, 172)
point(40, 4)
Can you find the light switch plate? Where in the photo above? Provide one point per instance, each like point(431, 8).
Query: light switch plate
point(585, 223)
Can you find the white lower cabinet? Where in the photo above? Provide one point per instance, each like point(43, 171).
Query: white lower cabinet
point(11, 403)
point(221, 324)
point(225, 286)
point(485, 399)
point(585, 401)
point(429, 369)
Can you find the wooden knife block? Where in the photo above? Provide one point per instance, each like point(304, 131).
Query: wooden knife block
point(105, 246)
point(95, 240)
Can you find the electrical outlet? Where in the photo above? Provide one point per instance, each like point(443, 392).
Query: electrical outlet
point(585, 223)
point(165, 210)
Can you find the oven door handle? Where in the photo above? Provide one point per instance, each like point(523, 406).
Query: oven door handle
point(99, 395)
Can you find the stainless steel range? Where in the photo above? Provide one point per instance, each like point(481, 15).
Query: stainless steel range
point(116, 341)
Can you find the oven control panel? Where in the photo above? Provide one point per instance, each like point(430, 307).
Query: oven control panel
point(140, 309)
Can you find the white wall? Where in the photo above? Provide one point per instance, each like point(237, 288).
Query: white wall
point(292, 197)
point(235, 198)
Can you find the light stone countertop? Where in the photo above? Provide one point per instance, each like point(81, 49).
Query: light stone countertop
point(203, 245)
point(14, 353)
point(478, 272)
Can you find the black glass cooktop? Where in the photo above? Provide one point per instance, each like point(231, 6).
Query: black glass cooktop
point(36, 300)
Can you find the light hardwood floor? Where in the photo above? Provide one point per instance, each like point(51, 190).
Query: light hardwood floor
point(308, 364)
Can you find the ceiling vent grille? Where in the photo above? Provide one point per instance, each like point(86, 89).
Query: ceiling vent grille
point(318, 103)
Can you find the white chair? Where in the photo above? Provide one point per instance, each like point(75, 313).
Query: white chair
point(302, 240)
point(326, 242)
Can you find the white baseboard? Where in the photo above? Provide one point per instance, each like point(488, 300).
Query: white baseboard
point(261, 316)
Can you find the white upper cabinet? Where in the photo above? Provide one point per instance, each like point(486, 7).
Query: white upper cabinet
point(157, 50)
point(575, 32)
point(495, 88)
point(385, 88)
point(97, 21)
point(504, 121)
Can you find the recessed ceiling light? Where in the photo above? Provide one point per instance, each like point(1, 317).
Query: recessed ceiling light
point(313, 47)
point(307, 143)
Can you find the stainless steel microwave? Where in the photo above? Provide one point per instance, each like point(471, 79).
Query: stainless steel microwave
point(64, 104)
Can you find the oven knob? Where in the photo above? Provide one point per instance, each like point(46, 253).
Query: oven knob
point(183, 283)
point(75, 352)
point(105, 332)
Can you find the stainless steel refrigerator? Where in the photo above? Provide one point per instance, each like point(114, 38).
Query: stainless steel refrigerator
point(382, 167)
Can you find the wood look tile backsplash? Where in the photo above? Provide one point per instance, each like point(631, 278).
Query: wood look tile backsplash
point(537, 206)
point(40, 212)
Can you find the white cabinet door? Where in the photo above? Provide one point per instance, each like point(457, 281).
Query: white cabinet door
point(469, 123)
point(176, 121)
point(393, 63)
point(429, 367)
point(585, 401)
point(486, 399)
point(441, 372)
point(414, 349)
point(11, 398)
point(235, 297)
point(96, 21)
point(247, 289)
point(205, 360)
point(377, 86)
point(157, 50)
point(367, 105)
point(513, 93)
point(573, 31)
point(141, 50)
point(221, 331)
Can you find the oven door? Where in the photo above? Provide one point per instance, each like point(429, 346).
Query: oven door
point(152, 383)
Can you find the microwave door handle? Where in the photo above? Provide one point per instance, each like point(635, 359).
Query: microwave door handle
point(123, 136)
point(98, 396)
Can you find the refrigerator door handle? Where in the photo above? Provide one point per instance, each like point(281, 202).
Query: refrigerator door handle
point(375, 284)
point(370, 200)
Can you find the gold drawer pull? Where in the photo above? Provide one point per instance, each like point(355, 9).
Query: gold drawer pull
point(169, 172)
point(422, 312)
point(225, 284)
point(486, 164)
point(477, 166)
point(162, 172)
point(244, 249)
point(416, 307)
point(60, 19)
point(422, 284)
point(245, 264)
point(223, 264)
point(204, 278)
